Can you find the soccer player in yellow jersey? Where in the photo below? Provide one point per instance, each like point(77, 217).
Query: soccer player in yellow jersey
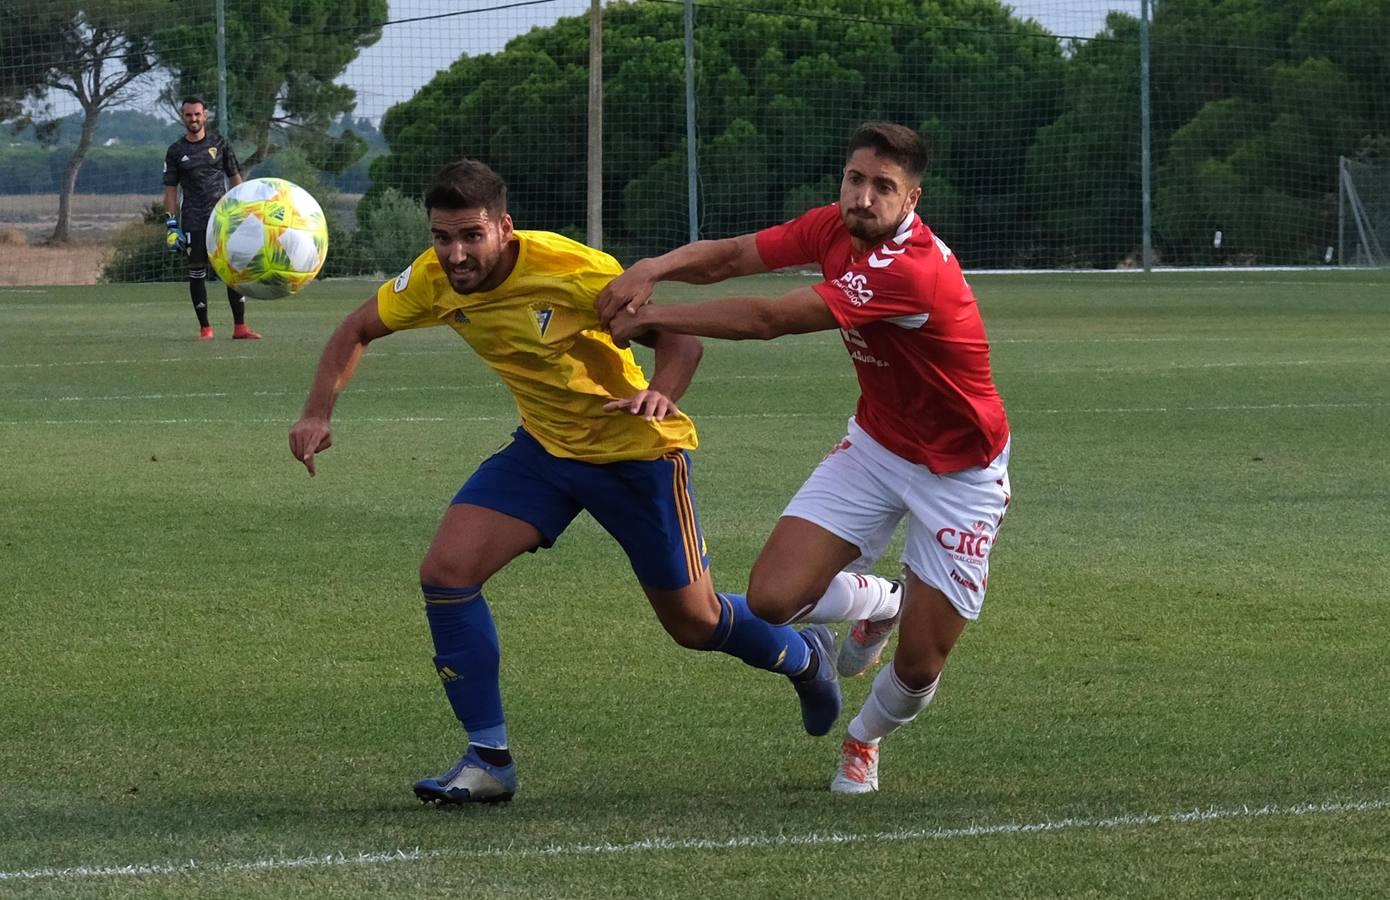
point(595, 435)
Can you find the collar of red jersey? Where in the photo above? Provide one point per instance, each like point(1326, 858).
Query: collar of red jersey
point(905, 230)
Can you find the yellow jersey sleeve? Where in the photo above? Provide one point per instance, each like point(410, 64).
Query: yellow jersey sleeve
point(409, 300)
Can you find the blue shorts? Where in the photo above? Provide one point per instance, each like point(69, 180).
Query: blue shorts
point(648, 505)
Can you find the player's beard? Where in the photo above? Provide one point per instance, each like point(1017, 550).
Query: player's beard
point(866, 228)
point(869, 229)
point(466, 279)
point(476, 271)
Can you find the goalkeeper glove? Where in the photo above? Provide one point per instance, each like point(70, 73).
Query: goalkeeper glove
point(174, 239)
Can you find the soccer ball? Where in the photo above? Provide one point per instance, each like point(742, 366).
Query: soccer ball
point(267, 238)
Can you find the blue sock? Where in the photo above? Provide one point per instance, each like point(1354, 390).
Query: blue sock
point(467, 658)
point(777, 648)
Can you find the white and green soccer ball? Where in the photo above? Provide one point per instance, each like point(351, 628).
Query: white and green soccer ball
point(267, 238)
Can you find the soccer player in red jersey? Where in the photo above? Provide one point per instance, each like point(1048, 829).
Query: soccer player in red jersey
point(929, 440)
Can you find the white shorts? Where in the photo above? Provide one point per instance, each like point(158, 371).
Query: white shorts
point(861, 490)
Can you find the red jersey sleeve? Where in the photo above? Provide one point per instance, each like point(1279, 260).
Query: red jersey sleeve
point(801, 241)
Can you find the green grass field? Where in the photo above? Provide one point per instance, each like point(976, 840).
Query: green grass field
point(217, 676)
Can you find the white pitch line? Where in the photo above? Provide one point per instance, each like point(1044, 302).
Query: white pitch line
point(117, 362)
point(797, 345)
point(703, 417)
point(403, 389)
point(659, 844)
point(1244, 407)
point(714, 379)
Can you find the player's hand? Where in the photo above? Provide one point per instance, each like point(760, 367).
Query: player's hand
point(174, 238)
point(627, 326)
point(630, 291)
point(308, 436)
point(650, 405)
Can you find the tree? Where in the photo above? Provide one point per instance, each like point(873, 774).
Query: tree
point(93, 51)
point(1252, 103)
point(1251, 147)
point(780, 90)
point(282, 59)
point(30, 39)
point(1084, 169)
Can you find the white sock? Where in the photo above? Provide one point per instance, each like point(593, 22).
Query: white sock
point(889, 706)
point(852, 597)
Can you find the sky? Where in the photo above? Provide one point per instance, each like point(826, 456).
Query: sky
point(427, 35)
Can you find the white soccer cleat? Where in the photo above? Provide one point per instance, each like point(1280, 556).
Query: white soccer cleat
point(863, 647)
point(858, 772)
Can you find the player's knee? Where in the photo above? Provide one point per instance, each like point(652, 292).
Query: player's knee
point(917, 672)
point(778, 600)
point(436, 568)
point(690, 633)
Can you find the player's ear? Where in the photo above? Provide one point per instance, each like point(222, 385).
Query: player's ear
point(506, 226)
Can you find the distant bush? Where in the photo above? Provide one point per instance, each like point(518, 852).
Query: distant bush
point(392, 230)
point(138, 253)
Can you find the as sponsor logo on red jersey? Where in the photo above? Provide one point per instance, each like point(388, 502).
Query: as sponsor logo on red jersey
point(855, 286)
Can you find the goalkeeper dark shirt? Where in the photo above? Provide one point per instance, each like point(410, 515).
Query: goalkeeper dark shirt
point(201, 170)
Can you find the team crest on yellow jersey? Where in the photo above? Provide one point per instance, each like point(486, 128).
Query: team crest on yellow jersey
point(543, 315)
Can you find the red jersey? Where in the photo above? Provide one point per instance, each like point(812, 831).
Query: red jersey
point(910, 322)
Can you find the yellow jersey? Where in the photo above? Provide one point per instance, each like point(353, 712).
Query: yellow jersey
point(539, 331)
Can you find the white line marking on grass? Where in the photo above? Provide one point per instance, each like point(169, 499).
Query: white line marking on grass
point(659, 844)
point(118, 362)
point(1243, 407)
point(704, 417)
point(405, 389)
point(205, 394)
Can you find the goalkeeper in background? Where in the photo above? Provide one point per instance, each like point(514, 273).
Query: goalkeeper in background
point(200, 163)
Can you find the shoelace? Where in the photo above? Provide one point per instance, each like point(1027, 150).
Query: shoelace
point(858, 757)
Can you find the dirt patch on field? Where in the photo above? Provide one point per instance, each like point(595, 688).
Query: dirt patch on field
point(26, 221)
point(62, 264)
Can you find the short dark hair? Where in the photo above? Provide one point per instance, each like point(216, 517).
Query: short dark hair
point(896, 142)
point(192, 98)
point(467, 184)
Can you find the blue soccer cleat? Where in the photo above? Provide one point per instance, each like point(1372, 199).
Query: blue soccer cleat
point(471, 780)
point(820, 696)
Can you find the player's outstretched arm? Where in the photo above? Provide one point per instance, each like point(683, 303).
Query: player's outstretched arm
point(732, 318)
point(703, 262)
point(677, 357)
point(312, 433)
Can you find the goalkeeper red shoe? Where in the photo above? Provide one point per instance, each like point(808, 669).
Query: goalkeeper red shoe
point(242, 333)
point(205, 333)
